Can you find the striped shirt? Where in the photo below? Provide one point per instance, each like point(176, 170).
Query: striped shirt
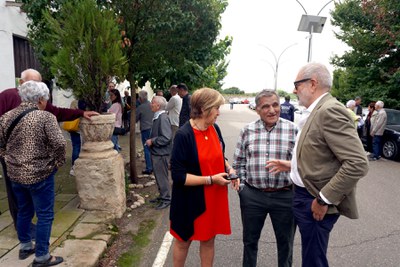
point(256, 145)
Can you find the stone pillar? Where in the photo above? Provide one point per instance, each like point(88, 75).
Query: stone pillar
point(99, 170)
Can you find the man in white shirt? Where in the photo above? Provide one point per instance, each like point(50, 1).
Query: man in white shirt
point(174, 108)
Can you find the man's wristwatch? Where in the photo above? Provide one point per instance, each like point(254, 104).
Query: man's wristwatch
point(320, 201)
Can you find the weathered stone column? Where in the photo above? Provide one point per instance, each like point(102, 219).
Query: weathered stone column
point(99, 170)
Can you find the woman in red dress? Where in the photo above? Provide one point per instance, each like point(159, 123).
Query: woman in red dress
point(199, 207)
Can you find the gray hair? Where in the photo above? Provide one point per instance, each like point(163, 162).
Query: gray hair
point(320, 71)
point(266, 93)
point(31, 75)
point(161, 101)
point(143, 95)
point(380, 103)
point(32, 92)
point(350, 103)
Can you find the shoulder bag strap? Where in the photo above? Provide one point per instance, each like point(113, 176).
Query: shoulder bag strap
point(16, 121)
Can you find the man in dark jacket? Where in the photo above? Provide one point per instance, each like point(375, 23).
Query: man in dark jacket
point(160, 147)
point(287, 109)
point(184, 115)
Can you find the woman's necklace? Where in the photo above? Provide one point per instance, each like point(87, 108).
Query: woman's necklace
point(202, 132)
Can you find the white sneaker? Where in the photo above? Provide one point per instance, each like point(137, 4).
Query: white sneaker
point(367, 153)
point(72, 172)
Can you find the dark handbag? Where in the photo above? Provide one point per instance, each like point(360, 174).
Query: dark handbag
point(119, 131)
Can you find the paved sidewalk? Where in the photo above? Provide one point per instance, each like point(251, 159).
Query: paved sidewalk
point(79, 236)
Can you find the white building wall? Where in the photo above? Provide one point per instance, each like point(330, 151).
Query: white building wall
point(12, 21)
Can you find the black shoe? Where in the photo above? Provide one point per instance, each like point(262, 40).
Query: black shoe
point(155, 200)
point(147, 172)
point(163, 205)
point(49, 262)
point(25, 253)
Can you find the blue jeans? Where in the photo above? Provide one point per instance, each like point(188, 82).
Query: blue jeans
point(147, 155)
point(114, 139)
point(36, 198)
point(377, 145)
point(76, 145)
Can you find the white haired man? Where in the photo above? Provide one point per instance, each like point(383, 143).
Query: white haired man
point(160, 147)
point(378, 125)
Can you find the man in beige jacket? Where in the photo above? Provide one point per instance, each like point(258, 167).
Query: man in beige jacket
point(328, 160)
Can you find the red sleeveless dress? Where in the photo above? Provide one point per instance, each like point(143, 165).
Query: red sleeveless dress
point(215, 220)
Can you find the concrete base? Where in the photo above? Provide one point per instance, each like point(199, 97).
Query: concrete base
point(101, 183)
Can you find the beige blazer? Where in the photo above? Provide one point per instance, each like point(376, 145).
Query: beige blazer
point(331, 157)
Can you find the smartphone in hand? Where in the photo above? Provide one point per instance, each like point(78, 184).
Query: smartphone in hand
point(231, 177)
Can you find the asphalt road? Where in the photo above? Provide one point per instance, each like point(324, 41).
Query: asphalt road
point(373, 240)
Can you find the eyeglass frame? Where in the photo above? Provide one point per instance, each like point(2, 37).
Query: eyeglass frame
point(296, 83)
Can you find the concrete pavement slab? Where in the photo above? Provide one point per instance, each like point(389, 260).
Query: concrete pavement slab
point(87, 230)
point(82, 253)
point(8, 238)
point(63, 220)
point(5, 220)
point(96, 217)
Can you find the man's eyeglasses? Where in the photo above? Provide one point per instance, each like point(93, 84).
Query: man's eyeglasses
point(296, 83)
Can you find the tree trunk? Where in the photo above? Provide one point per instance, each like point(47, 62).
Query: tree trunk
point(132, 133)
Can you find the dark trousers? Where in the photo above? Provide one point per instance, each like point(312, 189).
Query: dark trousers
point(255, 205)
point(314, 234)
point(377, 145)
point(12, 201)
point(160, 169)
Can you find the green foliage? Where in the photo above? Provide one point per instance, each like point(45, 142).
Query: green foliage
point(232, 91)
point(83, 49)
point(140, 241)
point(371, 68)
point(169, 41)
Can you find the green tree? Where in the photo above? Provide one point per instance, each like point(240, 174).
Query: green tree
point(83, 50)
point(233, 91)
point(371, 67)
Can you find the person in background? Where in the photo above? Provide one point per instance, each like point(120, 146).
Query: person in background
point(269, 138)
point(76, 136)
point(145, 115)
point(33, 152)
point(370, 117)
point(126, 116)
point(287, 110)
point(350, 105)
point(184, 114)
point(358, 112)
point(116, 108)
point(327, 163)
point(107, 101)
point(10, 99)
point(159, 93)
point(199, 208)
point(378, 125)
point(173, 108)
point(160, 147)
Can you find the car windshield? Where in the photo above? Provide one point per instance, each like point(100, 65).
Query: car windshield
point(393, 117)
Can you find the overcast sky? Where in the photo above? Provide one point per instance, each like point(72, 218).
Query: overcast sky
point(254, 24)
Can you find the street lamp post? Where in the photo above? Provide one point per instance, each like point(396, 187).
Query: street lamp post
point(277, 59)
point(310, 24)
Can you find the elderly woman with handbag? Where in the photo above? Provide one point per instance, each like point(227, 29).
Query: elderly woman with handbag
point(33, 149)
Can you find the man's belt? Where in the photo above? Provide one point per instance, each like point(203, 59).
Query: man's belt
point(271, 189)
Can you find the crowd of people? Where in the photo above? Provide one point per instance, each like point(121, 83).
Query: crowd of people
point(302, 175)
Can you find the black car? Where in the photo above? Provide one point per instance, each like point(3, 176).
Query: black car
point(391, 136)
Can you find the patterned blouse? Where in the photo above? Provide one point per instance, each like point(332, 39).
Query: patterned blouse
point(35, 147)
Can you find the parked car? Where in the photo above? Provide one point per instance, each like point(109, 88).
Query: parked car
point(252, 105)
point(391, 136)
point(245, 101)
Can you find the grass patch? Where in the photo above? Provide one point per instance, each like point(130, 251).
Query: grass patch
point(140, 241)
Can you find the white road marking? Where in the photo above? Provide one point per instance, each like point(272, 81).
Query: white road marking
point(163, 251)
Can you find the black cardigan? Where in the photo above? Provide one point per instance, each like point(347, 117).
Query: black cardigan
point(188, 202)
